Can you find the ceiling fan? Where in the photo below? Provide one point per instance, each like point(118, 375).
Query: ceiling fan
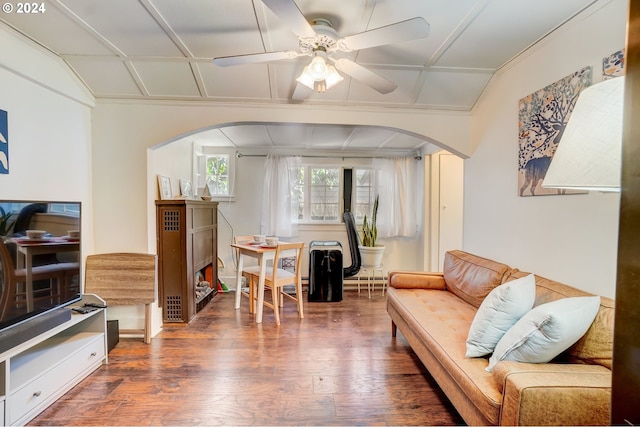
point(319, 40)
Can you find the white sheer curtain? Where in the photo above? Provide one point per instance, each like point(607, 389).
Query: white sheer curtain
point(400, 186)
point(278, 216)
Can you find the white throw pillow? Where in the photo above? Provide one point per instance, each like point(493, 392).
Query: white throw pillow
point(546, 331)
point(498, 312)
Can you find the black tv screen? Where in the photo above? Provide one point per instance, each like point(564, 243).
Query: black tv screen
point(40, 262)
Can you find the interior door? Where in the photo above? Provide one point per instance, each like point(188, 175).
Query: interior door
point(450, 205)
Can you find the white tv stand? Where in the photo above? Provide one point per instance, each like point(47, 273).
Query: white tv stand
point(37, 372)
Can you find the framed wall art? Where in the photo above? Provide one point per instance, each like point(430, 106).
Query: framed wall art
point(164, 186)
point(613, 65)
point(542, 118)
point(4, 142)
point(186, 189)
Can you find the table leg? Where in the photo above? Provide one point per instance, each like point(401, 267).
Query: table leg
point(29, 281)
point(239, 262)
point(259, 310)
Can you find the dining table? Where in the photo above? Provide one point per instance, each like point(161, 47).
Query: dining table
point(263, 253)
point(27, 248)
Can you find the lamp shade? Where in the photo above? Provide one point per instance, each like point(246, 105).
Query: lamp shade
point(589, 154)
point(319, 75)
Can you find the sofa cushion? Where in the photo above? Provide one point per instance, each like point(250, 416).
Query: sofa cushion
point(546, 331)
point(441, 321)
point(499, 311)
point(416, 280)
point(596, 345)
point(471, 277)
point(506, 368)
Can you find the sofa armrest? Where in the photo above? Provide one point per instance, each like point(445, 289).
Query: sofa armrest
point(554, 394)
point(416, 280)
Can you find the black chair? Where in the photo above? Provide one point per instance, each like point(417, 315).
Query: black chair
point(352, 236)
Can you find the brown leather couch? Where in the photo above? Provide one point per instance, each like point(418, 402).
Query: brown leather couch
point(434, 311)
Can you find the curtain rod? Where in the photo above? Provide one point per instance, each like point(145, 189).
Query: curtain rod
point(239, 155)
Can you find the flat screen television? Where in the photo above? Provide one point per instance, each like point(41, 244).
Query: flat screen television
point(58, 249)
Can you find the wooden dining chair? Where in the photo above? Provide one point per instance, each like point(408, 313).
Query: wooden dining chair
point(250, 282)
point(277, 278)
point(14, 292)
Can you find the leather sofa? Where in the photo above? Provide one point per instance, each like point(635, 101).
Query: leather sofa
point(434, 312)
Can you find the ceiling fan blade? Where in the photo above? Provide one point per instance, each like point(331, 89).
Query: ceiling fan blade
point(411, 29)
point(289, 13)
point(254, 58)
point(365, 75)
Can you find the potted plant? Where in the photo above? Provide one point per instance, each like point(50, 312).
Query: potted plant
point(370, 252)
point(5, 222)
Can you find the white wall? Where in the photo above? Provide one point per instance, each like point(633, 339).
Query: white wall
point(49, 115)
point(123, 132)
point(572, 239)
point(126, 135)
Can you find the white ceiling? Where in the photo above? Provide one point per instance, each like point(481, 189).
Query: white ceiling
point(163, 50)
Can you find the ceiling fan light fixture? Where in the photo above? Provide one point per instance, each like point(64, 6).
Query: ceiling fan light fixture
point(318, 68)
point(306, 79)
point(321, 86)
point(333, 77)
point(319, 75)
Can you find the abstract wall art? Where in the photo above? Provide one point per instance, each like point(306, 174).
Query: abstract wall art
point(613, 65)
point(542, 117)
point(4, 142)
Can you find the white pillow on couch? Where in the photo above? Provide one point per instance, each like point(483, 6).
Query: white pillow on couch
point(546, 331)
point(498, 312)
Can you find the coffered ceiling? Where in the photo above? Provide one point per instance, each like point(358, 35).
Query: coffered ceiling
point(163, 49)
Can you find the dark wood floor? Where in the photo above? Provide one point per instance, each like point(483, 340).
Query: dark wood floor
point(338, 366)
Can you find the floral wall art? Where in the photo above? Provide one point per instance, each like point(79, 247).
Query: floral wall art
point(613, 65)
point(542, 117)
point(4, 142)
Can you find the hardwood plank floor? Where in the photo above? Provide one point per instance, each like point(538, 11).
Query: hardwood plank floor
point(338, 366)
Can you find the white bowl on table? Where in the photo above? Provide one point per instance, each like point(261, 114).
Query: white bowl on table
point(36, 234)
point(271, 241)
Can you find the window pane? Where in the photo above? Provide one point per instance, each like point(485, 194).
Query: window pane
point(73, 208)
point(325, 194)
point(218, 174)
point(364, 194)
point(297, 196)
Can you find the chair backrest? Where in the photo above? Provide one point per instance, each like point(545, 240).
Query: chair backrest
point(122, 278)
point(8, 268)
point(290, 250)
point(352, 236)
point(238, 239)
point(8, 280)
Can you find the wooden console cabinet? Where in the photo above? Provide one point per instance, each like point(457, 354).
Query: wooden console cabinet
point(187, 246)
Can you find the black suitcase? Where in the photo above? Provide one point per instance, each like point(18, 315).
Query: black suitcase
point(325, 271)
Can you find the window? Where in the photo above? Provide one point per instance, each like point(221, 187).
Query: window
point(364, 190)
point(317, 193)
point(72, 209)
point(325, 194)
point(297, 196)
point(216, 173)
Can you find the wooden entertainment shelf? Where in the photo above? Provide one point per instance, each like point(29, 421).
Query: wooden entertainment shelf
point(37, 372)
point(187, 244)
